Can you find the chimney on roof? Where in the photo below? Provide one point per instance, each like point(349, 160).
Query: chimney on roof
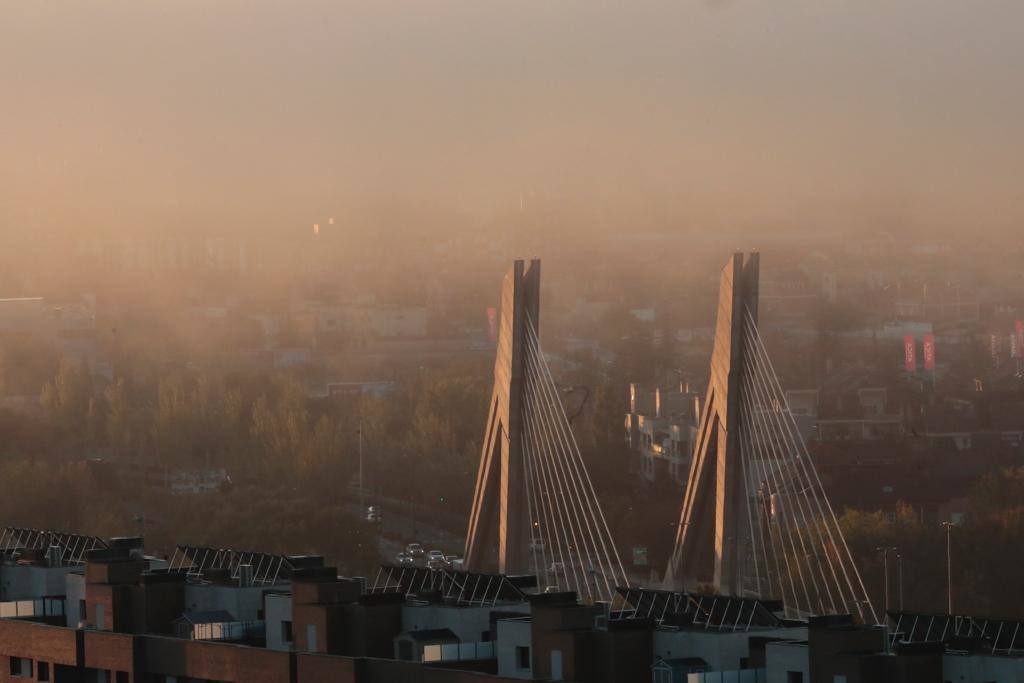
point(245, 575)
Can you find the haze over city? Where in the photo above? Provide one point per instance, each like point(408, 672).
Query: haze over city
point(260, 115)
point(453, 342)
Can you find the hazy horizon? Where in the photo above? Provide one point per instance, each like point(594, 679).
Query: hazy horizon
point(128, 116)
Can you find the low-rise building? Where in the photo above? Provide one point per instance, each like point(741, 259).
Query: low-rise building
point(661, 427)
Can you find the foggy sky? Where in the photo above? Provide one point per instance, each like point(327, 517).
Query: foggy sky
point(126, 114)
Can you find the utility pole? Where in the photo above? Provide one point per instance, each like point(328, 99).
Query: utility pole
point(949, 567)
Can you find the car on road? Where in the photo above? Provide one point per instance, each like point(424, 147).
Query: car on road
point(557, 569)
point(536, 545)
point(450, 560)
point(415, 550)
point(373, 515)
point(435, 560)
point(404, 560)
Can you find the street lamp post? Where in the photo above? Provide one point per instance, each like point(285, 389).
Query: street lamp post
point(885, 571)
point(949, 567)
point(899, 572)
point(885, 550)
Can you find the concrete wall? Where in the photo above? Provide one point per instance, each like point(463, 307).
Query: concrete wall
point(243, 603)
point(512, 633)
point(278, 609)
point(74, 590)
point(468, 623)
point(25, 582)
point(722, 651)
point(782, 657)
point(982, 669)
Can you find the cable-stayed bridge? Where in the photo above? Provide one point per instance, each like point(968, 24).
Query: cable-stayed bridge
point(535, 509)
point(755, 520)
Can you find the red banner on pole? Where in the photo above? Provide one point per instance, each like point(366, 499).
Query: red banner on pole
point(929, 352)
point(909, 357)
point(492, 325)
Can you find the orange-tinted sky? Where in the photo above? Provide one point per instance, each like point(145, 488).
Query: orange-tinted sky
point(124, 113)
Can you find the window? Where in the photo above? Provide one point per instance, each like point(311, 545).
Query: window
point(311, 638)
point(43, 669)
point(99, 617)
point(81, 610)
point(794, 677)
point(21, 667)
point(523, 657)
point(839, 678)
point(121, 677)
point(286, 631)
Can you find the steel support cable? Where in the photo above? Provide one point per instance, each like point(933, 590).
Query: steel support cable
point(575, 459)
point(563, 450)
point(580, 466)
point(802, 518)
point(762, 519)
point(828, 504)
point(564, 498)
point(558, 527)
point(800, 468)
point(809, 465)
point(542, 527)
point(750, 517)
point(756, 532)
point(784, 531)
point(529, 486)
point(748, 457)
point(786, 514)
point(805, 511)
point(546, 488)
point(593, 552)
point(567, 513)
point(533, 503)
point(561, 500)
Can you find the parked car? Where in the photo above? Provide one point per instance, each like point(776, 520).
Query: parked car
point(451, 559)
point(557, 569)
point(536, 545)
point(404, 559)
point(458, 564)
point(435, 555)
point(415, 550)
point(373, 515)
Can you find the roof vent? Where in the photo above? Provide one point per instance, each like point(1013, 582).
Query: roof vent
point(245, 575)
